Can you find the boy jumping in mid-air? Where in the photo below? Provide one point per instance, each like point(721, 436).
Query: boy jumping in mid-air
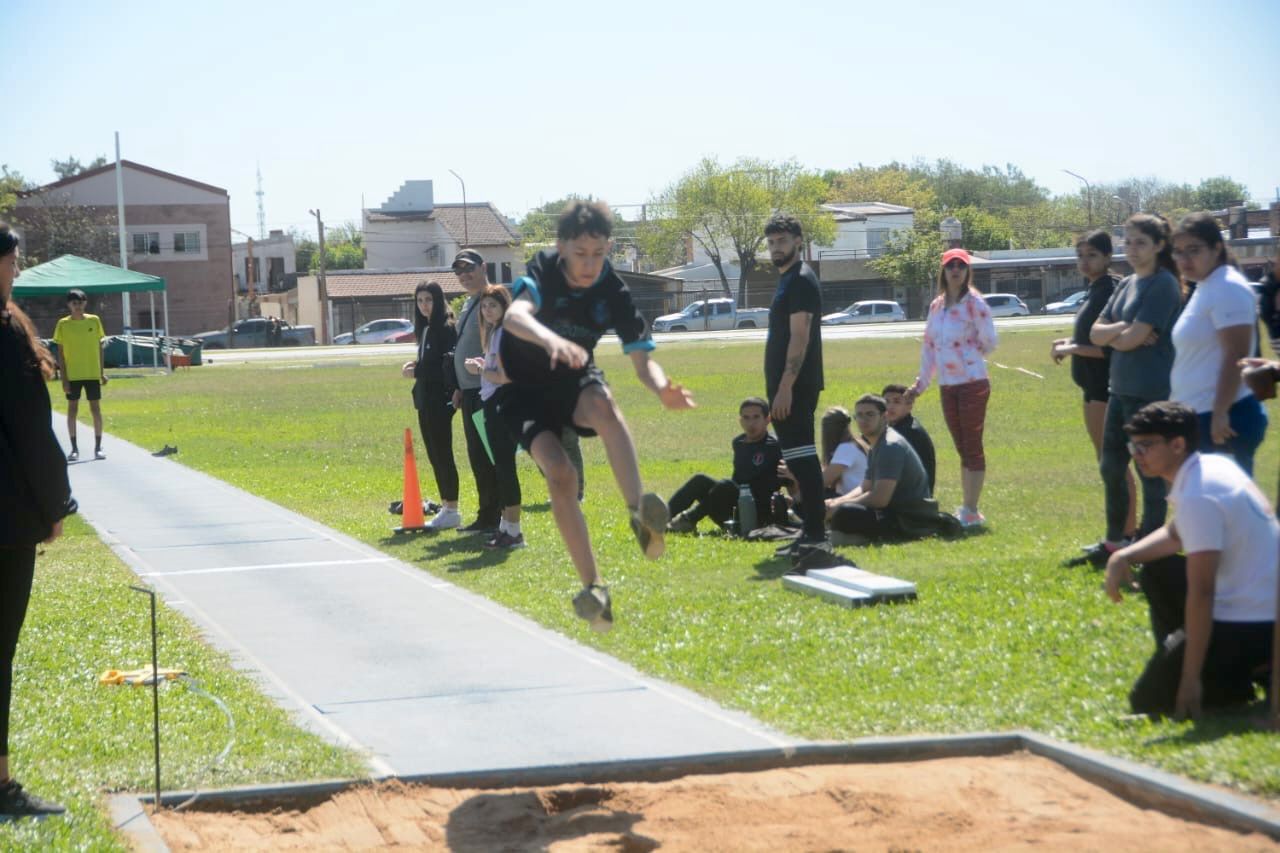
point(79, 339)
point(563, 305)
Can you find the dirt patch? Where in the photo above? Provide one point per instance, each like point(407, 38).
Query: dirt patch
point(1011, 802)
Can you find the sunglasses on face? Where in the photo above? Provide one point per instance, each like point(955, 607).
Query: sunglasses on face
point(463, 267)
point(956, 265)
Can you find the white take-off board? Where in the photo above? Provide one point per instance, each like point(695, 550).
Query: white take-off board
point(850, 587)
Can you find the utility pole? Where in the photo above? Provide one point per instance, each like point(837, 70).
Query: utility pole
point(1088, 194)
point(324, 288)
point(466, 237)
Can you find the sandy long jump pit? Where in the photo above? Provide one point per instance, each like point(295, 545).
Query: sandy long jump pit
point(993, 802)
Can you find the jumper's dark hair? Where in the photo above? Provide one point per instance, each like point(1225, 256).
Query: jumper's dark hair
point(873, 400)
point(498, 293)
point(592, 218)
point(835, 431)
point(783, 223)
point(758, 402)
point(893, 388)
point(1168, 420)
point(1098, 238)
point(1203, 226)
point(37, 354)
point(1157, 228)
point(441, 315)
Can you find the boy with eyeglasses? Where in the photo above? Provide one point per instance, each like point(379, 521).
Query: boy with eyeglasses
point(79, 338)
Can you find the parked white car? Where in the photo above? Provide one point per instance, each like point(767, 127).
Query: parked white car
point(1070, 305)
point(712, 315)
point(868, 311)
point(1006, 305)
point(375, 331)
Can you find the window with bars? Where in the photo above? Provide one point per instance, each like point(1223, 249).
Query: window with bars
point(186, 242)
point(506, 272)
point(146, 243)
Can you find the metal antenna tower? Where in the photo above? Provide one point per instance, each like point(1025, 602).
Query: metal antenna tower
point(262, 213)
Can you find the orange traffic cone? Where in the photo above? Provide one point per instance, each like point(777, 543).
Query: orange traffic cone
point(412, 520)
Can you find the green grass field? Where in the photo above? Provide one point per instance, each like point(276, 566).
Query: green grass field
point(72, 740)
point(1001, 637)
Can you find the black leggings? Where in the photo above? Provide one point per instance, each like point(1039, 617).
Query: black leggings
point(435, 422)
point(503, 445)
point(706, 497)
point(17, 567)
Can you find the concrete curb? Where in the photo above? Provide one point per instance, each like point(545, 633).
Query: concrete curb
point(1143, 786)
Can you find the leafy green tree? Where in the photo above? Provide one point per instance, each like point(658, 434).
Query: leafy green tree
point(71, 167)
point(724, 210)
point(911, 260)
point(1217, 193)
point(11, 183)
point(892, 184)
point(304, 249)
point(343, 249)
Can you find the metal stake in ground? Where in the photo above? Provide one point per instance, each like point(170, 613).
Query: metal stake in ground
point(155, 685)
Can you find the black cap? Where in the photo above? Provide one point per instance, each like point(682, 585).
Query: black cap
point(468, 256)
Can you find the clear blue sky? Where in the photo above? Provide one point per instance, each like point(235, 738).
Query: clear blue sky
point(532, 101)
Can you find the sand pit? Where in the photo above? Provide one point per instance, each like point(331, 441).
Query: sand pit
point(999, 803)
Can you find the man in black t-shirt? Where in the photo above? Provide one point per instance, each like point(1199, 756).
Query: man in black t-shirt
point(562, 307)
point(909, 427)
point(793, 376)
point(756, 455)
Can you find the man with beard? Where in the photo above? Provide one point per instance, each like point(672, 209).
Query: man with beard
point(793, 379)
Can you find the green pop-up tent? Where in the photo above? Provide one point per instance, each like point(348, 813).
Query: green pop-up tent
point(56, 277)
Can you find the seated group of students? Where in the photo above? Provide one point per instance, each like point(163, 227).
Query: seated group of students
point(879, 482)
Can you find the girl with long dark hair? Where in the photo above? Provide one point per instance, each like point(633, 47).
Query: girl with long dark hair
point(1217, 328)
point(1137, 324)
point(34, 496)
point(434, 331)
point(1091, 364)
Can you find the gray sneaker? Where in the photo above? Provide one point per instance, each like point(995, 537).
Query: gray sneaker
point(594, 605)
point(17, 803)
point(649, 523)
point(682, 523)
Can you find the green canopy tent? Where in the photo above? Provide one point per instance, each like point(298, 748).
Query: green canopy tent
point(56, 277)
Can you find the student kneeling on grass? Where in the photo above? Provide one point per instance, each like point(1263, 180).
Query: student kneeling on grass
point(893, 501)
point(1213, 610)
point(756, 456)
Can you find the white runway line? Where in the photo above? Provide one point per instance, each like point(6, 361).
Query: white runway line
point(266, 567)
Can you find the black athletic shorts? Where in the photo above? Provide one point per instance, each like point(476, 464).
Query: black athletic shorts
point(1096, 392)
point(529, 408)
point(91, 387)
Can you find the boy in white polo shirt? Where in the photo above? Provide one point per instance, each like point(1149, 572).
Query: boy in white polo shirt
point(1213, 611)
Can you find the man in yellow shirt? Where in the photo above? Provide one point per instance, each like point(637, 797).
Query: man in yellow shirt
point(79, 339)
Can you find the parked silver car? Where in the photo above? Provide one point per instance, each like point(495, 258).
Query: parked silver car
point(1006, 305)
point(867, 311)
point(1070, 305)
point(375, 331)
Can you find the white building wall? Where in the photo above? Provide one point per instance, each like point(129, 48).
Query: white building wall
point(397, 245)
point(139, 188)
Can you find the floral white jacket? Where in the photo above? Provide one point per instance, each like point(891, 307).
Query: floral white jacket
point(956, 339)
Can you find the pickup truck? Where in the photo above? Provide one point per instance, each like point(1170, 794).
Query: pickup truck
point(255, 332)
point(712, 315)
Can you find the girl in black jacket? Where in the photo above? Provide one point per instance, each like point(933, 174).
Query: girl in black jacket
point(34, 495)
point(434, 331)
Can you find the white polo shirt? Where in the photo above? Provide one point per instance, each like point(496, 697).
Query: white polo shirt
point(1217, 507)
point(1222, 300)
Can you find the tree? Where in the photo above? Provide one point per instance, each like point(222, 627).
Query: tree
point(892, 184)
point(11, 184)
point(724, 210)
point(343, 249)
point(1217, 193)
point(538, 228)
point(52, 226)
point(71, 167)
point(911, 259)
point(304, 250)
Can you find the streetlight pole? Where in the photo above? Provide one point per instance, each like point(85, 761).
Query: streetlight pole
point(1126, 203)
point(466, 237)
point(323, 285)
point(1088, 189)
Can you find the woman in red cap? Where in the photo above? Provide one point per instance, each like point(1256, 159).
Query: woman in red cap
point(957, 336)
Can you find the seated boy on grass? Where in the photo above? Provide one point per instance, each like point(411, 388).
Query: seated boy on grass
point(756, 456)
point(909, 427)
point(563, 305)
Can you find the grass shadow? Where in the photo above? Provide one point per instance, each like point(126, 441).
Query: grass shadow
point(1219, 724)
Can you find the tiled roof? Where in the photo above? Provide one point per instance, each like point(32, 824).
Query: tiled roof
point(349, 284)
point(483, 225)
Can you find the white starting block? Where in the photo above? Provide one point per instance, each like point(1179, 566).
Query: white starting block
point(850, 587)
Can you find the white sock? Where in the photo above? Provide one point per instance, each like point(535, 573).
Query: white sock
point(513, 529)
point(502, 526)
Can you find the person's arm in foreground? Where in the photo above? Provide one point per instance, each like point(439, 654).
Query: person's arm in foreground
point(1202, 571)
point(651, 376)
point(1236, 342)
point(1162, 542)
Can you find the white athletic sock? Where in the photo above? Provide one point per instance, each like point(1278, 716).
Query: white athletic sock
point(502, 526)
point(513, 529)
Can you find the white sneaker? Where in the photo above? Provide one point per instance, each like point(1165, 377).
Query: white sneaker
point(970, 517)
point(445, 519)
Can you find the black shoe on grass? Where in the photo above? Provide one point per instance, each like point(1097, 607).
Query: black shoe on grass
point(649, 524)
point(17, 803)
point(595, 606)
